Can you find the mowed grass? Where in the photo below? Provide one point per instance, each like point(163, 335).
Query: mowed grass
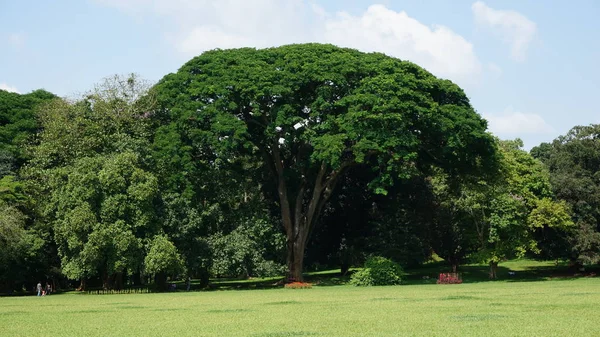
point(568, 307)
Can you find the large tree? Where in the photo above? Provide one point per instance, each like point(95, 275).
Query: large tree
point(310, 112)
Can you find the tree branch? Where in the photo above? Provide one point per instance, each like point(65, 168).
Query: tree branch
point(299, 201)
point(282, 190)
point(324, 196)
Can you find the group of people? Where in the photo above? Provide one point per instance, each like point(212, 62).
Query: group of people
point(43, 291)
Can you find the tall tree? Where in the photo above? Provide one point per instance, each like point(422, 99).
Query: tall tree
point(91, 169)
point(310, 112)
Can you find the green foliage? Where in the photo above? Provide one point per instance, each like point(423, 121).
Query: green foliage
point(502, 217)
point(162, 257)
point(574, 163)
point(18, 123)
point(244, 251)
point(378, 271)
point(550, 214)
point(7, 163)
point(12, 191)
point(101, 208)
point(20, 249)
point(90, 174)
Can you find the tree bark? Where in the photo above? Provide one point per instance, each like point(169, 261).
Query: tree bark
point(295, 260)
point(81, 285)
point(493, 270)
point(454, 263)
point(300, 215)
point(344, 268)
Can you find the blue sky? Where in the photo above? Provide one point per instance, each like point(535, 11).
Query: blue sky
point(529, 67)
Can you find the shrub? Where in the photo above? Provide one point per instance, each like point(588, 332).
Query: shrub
point(378, 271)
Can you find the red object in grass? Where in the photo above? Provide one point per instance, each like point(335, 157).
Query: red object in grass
point(449, 278)
point(298, 285)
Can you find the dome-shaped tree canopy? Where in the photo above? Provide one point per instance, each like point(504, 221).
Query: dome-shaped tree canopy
point(312, 111)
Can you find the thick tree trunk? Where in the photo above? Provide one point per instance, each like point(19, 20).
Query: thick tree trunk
point(81, 285)
point(493, 270)
point(299, 213)
point(295, 260)
point(344, 268)
point(454, 263)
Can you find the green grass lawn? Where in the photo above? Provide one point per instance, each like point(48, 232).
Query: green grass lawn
point(565, 307)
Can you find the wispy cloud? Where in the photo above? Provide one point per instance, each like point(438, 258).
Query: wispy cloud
point(511, 26)
point(511, 123)
point(201, 25)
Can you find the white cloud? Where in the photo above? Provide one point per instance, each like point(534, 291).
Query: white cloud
point(318, 10)
point(204, 38)
point(436, 48)
point(207, 24)
point(511, 26)
point(200, 25)
point(4, 86)
point(515, 123)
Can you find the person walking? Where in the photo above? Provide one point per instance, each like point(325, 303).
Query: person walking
point(39, 288)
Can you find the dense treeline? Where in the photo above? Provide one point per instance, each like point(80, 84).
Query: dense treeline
point(252, 163)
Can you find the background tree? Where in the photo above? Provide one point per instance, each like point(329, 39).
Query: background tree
point(509, 211)
point(20, 249)
point(26, 253)
point(163, 260)
point(574, 164)
point(310, 112)
point(18, 124)
point(91, 171)
point(454, 232)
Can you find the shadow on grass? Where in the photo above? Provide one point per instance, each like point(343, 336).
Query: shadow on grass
point(524, 271)
point(426, 274)
point(480, 273)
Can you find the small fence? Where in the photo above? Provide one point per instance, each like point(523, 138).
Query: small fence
point(132, 290)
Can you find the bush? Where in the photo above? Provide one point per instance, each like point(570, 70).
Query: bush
point(378, 271)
